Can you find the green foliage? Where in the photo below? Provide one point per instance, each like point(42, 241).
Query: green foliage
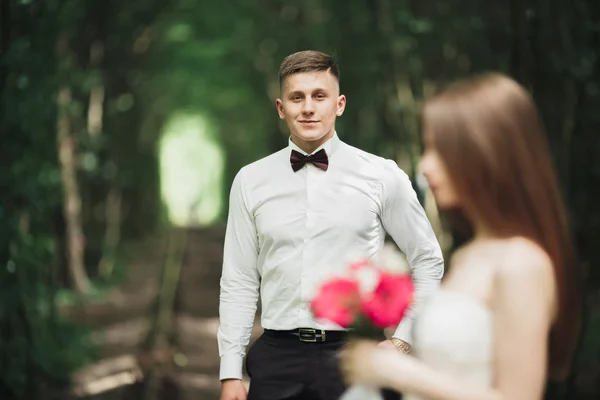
point(37, 347)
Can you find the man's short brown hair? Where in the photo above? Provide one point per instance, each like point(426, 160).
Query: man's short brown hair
point(308, 61)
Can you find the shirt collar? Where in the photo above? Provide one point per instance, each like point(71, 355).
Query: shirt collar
point(329, 146)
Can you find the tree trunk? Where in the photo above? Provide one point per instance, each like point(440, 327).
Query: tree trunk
point(96, 106)
point(112, 233)
point(72, 199)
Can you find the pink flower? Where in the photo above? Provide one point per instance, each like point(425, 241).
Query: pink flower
point(337, 301)
point(390, 300)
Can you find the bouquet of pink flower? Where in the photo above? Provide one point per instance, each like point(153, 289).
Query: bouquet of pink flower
point(366, 300)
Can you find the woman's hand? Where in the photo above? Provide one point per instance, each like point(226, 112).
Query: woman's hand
point(364, 362)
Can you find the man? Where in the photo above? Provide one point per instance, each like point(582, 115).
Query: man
point(292, 216)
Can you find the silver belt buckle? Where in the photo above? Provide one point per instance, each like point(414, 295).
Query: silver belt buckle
point(309, 335)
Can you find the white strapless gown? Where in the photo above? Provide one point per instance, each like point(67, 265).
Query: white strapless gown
point(453, 335)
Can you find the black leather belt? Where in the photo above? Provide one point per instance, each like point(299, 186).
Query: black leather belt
point(309, 335)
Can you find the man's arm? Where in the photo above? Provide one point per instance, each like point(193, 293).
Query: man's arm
point(406, 222)
point(240, 282)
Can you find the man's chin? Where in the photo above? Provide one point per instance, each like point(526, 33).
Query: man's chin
point(311, 135)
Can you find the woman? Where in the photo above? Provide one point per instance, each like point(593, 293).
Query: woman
point(506, 315)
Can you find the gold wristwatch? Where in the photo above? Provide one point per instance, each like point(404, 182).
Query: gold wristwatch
point(401, 345)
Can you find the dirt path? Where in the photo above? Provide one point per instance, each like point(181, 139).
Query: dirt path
point(186, 365)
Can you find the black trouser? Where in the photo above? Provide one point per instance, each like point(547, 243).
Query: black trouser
point(281, 367)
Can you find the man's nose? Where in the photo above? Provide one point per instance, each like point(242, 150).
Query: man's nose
point(308, 107)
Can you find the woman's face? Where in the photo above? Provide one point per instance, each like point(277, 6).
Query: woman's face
point(436, 173)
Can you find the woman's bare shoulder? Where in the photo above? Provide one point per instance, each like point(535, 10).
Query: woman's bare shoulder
point(526, 262)
point(522, 251)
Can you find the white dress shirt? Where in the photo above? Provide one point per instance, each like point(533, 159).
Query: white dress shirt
point(287, 230)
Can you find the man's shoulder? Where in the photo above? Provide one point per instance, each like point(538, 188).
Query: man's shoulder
point(381, 164)
point(265, 165)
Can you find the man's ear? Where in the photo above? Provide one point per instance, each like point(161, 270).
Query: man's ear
point(279, 106)
point(341, 105)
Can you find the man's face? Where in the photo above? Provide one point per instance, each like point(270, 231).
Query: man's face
point(310, 103)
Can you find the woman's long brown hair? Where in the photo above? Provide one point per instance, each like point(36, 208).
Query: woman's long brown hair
point(489, 134)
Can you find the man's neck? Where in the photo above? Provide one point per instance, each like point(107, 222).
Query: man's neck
point(310, 146)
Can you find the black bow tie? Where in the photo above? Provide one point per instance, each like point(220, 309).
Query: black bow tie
point(319, 159)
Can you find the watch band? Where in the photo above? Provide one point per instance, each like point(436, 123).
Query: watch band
point(401, 345)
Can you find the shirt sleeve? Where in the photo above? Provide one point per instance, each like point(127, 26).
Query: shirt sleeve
point(406, 222)
point(240, 283)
